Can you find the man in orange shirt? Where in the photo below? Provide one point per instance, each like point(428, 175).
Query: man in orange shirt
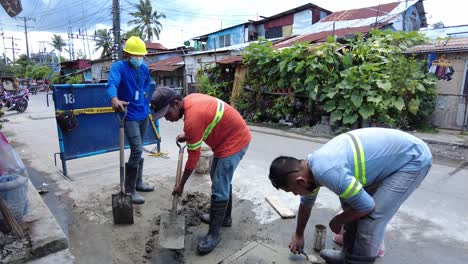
point(208, 119)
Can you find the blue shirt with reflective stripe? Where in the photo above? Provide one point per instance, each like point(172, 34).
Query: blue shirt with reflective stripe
point(130, 85)
point(386, 152)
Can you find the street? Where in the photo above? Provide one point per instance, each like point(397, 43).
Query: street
point(429, 228)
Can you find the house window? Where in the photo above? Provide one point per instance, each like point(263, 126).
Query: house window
point(224, 40)
point(276, 32)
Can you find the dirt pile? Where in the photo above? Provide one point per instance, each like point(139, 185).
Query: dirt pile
point(13, 249)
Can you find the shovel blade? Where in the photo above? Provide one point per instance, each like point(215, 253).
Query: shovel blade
point(122, 209)
point(172, 231)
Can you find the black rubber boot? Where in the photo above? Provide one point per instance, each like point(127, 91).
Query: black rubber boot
point(211, 240)
point(130, 184)
point(140, 186)
point(332, 256)
point(352, 259)
point(205, 218)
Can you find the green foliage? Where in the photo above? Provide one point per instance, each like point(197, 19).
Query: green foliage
point(216, 81)
point(104, 42)
point(40, 72)
point(366, 79)
point(58, 43)
point(74, 79)
point(146, 21)
point(55, 78)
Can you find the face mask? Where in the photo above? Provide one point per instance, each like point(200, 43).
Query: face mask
point(136, 61)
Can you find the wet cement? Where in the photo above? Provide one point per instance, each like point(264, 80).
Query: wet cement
point(193, 204)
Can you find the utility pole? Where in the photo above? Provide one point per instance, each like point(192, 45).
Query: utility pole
point(25, 20)
point(70, 43)
point(4, 48)
point(87, 41)
point(13, 46)
point(117, 51)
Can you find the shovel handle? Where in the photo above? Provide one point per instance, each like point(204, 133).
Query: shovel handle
point(178, 175)
point(121, 149)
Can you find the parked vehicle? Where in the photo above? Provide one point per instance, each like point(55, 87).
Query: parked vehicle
point(15, 100)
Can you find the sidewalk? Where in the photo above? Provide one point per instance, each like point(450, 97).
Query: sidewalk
point(307, 133)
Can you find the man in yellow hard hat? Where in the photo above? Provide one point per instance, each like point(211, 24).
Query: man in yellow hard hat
point(128, 87)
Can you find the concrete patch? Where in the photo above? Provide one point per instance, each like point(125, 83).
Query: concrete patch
point(258, 253)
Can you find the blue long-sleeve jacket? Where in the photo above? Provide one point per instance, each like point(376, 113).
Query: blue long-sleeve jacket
point(130, 85)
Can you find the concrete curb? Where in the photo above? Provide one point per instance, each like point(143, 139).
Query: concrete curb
point(323, 140)
point(282, 133)
point(435, 141)
point(45, 233)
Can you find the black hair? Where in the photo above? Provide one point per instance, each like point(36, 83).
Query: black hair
point(280, 168)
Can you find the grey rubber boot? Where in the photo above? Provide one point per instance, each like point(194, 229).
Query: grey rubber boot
point(205, 218)
point(130, 184)
point(211, 240)
point(140, 186)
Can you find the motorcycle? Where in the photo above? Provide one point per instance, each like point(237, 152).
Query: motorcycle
point(15, 100)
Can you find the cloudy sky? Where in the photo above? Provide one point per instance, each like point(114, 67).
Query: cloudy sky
point(185, 18)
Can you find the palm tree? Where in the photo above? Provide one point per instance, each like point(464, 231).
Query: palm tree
point(146, 20)
point(58, 43)
point(132, 32)
point(104, 41)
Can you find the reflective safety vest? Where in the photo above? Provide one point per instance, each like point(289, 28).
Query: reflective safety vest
point(210, 127)
point(359, 179)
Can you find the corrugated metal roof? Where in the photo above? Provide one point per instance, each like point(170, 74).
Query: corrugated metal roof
point(322, 36)
point(361, 13)
point(231, 59)
point(359, 17)
point(167, 65)
point(155, 46)
point(442, 46)
point(455, 31)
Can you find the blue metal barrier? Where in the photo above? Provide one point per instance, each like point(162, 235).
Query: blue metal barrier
point(96, 133)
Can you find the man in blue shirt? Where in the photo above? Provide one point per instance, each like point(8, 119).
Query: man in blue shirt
point(128, 88)
point(372, 170)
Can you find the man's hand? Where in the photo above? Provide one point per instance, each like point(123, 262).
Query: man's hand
point(178, 190)
point(335, 225)
point(118, 105)
point(297, 244)
point(181, 138)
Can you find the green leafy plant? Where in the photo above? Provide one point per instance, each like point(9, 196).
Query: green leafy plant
point(74, 79)
point(367, 79)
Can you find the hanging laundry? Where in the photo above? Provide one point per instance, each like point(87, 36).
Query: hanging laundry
point(441, 68)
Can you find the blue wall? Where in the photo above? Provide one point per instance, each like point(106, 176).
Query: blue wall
point(237, 36)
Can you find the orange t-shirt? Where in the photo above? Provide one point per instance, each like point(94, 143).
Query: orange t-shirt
point(228, 137)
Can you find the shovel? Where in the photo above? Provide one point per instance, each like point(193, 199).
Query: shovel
point(172, 226)
point(122, 204)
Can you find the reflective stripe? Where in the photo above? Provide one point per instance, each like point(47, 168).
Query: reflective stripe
point(353, 188)
point(316, 191)
point(359, 158)
point(210, 127)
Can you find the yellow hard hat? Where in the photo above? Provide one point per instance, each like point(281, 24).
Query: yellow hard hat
point(135, 46)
